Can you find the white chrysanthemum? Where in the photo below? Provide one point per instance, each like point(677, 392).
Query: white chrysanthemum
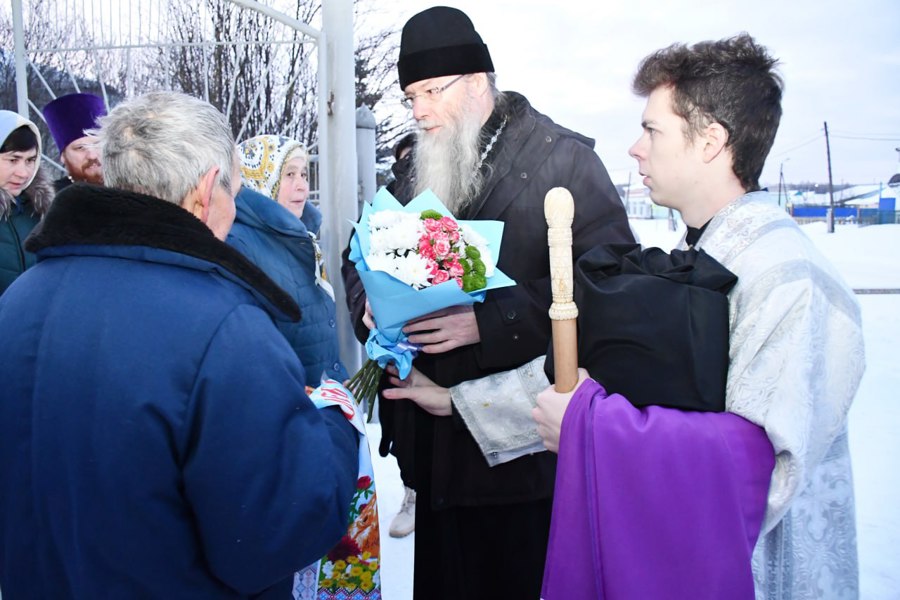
point(472, 237)
point(413, 270)
point(394, 231)
point(381, 262)
point(391, 218)
point(384, 241)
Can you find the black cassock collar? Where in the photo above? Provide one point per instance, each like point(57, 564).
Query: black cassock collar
point(694, 233)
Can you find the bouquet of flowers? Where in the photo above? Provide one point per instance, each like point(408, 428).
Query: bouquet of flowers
point(414, 260)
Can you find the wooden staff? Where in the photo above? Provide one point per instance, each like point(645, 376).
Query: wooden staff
point(559, 210)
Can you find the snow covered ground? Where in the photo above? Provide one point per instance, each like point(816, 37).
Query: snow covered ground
point(868, 257)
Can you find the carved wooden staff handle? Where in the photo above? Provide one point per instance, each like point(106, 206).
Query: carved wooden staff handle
point(559, 210)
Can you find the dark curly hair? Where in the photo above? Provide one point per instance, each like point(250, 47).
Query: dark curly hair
point(731, 82)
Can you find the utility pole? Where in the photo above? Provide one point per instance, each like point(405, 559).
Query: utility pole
point(781, 184)
point(830, 184)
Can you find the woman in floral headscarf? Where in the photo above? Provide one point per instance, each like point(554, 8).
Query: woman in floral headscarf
point(25, 193)
point(276, 228)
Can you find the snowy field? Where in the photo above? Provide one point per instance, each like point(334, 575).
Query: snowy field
point(868, 257)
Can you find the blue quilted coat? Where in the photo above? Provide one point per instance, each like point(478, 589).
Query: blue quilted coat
point(279, 243)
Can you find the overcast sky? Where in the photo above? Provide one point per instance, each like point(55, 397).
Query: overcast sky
point(574, 61)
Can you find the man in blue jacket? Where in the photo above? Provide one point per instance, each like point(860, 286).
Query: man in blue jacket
point(155, 437)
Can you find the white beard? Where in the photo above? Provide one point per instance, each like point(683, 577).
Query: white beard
point(447, 162)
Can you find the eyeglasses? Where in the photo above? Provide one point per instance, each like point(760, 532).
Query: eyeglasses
point(432, 95)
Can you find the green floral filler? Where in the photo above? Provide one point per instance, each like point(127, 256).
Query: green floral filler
point(473, 270)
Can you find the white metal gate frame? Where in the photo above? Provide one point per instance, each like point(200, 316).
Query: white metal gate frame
point(337, 168)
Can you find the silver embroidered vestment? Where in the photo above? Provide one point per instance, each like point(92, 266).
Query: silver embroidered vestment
point(796, 360)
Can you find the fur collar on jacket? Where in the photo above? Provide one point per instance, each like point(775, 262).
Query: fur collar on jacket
point(85, 214)
point(39, 194)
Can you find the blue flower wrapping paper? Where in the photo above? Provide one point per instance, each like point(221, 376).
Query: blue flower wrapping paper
point(394, 302)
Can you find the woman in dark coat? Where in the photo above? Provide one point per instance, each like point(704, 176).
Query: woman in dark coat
point(25, 193)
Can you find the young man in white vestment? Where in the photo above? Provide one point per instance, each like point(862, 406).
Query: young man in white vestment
point(796, 346)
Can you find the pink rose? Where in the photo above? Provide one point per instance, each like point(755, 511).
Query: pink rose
point(432, 267)
point(455, 269)
point(449, 224)
point(426, 249)
point(432, 225)
point(441, 248)
point(440, 277)
point(454, 236)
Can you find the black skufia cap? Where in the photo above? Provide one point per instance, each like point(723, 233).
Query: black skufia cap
point(441, 41)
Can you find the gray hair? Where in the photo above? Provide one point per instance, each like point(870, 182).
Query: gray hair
point(495, 92)
point(161, 144)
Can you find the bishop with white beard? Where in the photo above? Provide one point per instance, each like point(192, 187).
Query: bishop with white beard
point(481, 531)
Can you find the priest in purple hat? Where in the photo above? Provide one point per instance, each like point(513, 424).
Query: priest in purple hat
point(69, 117)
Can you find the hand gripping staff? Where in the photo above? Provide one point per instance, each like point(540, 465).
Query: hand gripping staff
point(559, 210)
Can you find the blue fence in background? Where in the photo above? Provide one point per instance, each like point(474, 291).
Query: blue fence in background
point(886, 213)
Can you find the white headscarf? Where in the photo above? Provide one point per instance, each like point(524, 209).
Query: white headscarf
point(262, 159)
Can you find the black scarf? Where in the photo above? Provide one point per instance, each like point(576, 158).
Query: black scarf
point(693, 234)
point(653, 326)
point(86, 214)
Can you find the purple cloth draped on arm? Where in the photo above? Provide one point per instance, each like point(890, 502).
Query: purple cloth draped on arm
point(654, 502)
